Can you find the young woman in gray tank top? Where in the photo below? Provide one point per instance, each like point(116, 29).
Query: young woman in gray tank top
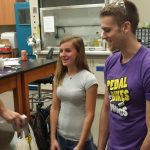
point(74, 98)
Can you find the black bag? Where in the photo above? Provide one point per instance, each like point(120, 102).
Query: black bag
point(41, 127)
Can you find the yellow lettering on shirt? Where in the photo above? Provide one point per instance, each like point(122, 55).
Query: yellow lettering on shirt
point(118, 89)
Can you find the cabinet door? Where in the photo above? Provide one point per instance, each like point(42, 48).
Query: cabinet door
point(1, 12)
point(94, 62)
point(100, 78)
point(7, 16)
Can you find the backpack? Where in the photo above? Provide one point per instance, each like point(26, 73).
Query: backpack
point(40, 124)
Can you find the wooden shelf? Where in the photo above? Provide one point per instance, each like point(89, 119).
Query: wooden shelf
point(7, 13)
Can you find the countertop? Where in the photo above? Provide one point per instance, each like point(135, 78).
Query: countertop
point(88, 51)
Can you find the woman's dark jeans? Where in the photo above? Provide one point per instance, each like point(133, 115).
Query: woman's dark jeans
point(70, 145)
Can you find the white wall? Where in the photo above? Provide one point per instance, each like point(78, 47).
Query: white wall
point(144, 9)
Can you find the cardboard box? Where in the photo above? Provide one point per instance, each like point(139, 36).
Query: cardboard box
point(5, 45)
point(15, 52)
point(12, 38)
point(6, 42)
point(12, 52)
point(5, 55)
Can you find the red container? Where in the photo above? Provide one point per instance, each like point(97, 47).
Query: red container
point(24, 55)
point(5, 49)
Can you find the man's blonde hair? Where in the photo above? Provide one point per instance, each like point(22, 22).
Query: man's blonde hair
point(122, 14)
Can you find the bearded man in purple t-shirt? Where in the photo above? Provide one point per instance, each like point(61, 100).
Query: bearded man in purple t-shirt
point(125, 113)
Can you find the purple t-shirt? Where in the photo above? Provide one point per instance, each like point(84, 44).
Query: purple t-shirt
point(129, 88)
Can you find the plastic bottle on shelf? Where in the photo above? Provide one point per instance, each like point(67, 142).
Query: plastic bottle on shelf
point(97, 39)
point(24, 55)
point(104, 44)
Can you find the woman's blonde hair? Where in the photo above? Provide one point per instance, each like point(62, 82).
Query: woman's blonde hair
point(81, 61)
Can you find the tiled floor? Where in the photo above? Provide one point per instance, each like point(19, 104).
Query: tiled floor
point(6, 131)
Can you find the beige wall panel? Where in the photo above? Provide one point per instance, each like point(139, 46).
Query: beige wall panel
point(144, 10)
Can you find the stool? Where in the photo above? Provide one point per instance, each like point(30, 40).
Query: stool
point(41, 97)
